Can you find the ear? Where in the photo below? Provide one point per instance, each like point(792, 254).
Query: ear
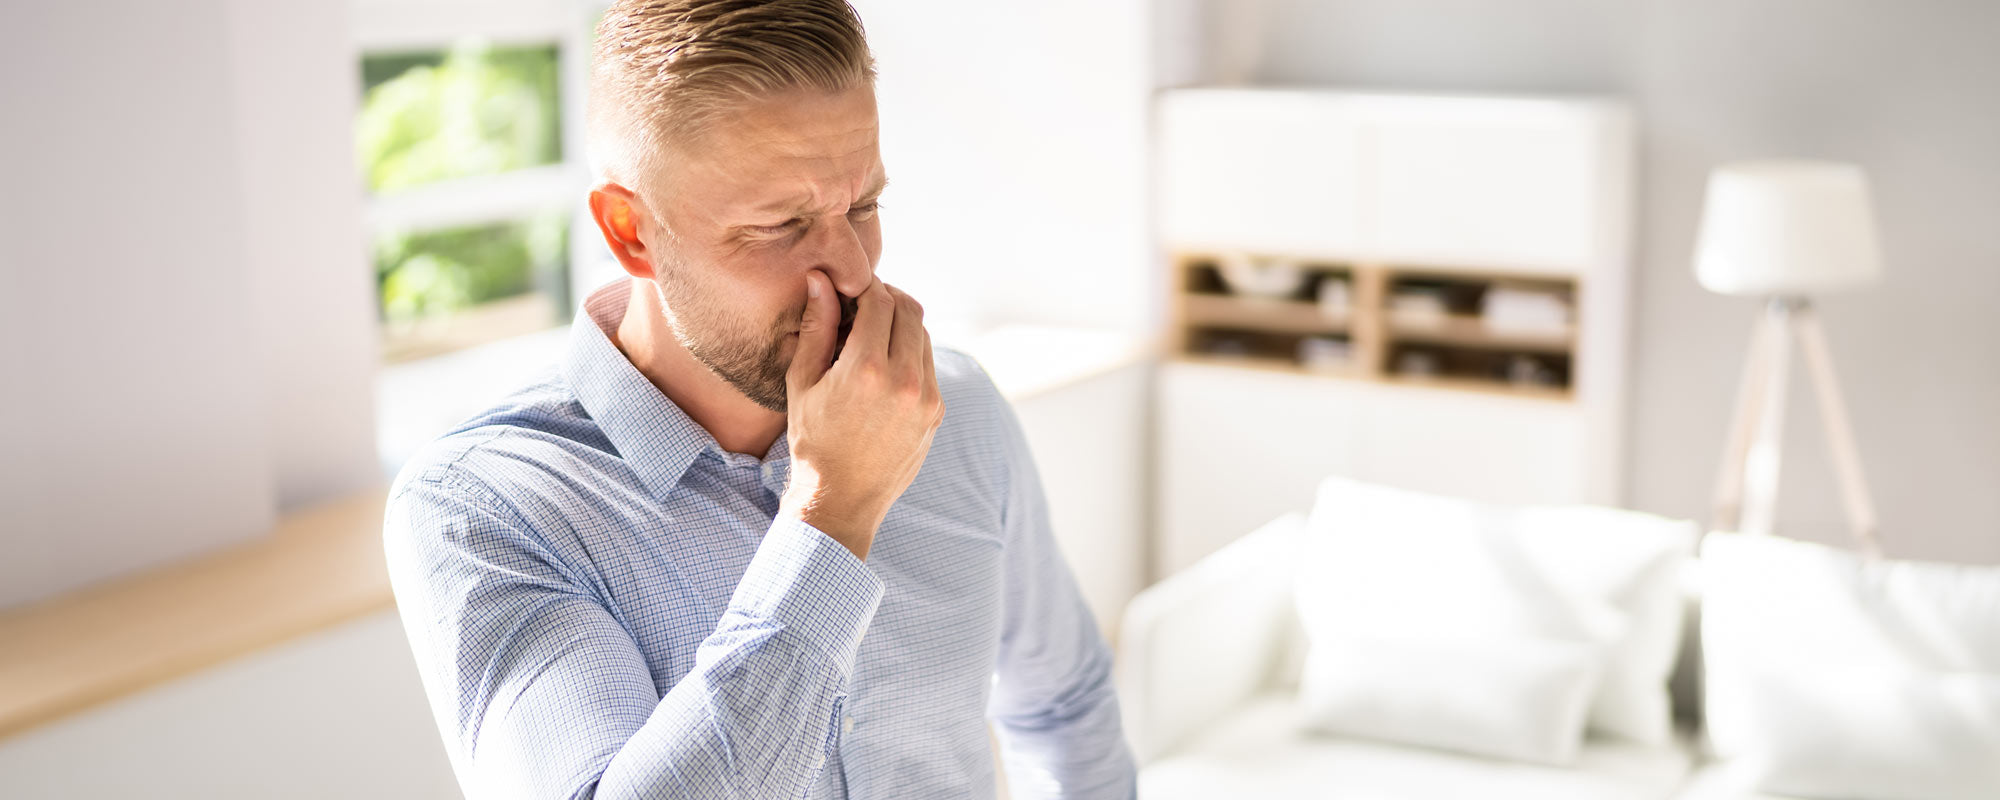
point(617, 213)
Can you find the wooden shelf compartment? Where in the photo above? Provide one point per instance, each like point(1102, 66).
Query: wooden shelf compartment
point(1460, 367)
point(1471, 330)
point(1224, 311)
point(1201, 275)
point(1215, 326)
point(1262, 346)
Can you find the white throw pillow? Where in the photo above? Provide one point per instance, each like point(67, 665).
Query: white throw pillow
point(1633, 561)
point(1388, 563)
point(1522, 700)
point(1831, 676)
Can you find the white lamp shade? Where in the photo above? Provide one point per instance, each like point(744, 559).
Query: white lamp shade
point(1787, 228)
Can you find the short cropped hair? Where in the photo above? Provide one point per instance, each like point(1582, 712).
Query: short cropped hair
point(663, 70)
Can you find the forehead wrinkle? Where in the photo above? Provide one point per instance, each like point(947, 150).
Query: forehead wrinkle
point(794, 204)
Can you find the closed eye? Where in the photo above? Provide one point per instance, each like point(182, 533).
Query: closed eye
point(858, 213)
point(776, 230)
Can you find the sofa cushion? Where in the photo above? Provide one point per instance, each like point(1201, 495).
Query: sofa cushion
point(1829, 675)
point(1516, 699)
point(1263, 751)
point(1388, 563)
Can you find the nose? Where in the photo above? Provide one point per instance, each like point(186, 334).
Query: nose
point(838, 249)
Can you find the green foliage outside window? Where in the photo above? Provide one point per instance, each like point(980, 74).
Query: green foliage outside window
point(471, 111)
point(436, 272)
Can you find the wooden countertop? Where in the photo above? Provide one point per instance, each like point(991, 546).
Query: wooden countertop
point(318, 568)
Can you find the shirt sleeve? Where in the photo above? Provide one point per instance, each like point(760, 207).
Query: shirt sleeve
point(540, 691)
point(1053, 698)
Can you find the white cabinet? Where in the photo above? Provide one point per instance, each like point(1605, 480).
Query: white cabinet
point(1515, 184)
point(1399, 195)
point(1238, 447)
point(1241, 446)
point(1504, 183)
point(1269, 170)
point(1470, 444)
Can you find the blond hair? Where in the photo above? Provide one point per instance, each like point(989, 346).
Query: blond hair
point(663, 70)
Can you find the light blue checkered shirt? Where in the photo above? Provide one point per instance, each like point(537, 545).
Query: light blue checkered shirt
point(602, 603)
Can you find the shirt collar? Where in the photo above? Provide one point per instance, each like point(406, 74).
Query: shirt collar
point(655, 437)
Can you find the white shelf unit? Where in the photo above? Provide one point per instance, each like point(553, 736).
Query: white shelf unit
point(1385, 190)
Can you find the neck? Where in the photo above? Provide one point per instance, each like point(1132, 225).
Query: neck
point(737, 424)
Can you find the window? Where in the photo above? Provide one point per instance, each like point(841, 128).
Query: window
point(466, 144)
point(469, 144)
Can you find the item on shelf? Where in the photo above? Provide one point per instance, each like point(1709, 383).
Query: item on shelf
point(1261, 276)
point(1530, 371)
point(1520, 309)
point(1417, 362)
point(1417, 301)
point(1336, 299)
point(1227, 346)
point(1324, 353)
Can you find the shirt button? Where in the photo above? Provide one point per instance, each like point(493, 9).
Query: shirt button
point(846, 724)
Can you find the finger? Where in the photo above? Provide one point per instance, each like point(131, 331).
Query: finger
point(906, 341)
point(817, 328)
point(930, 375)
point(874, 313)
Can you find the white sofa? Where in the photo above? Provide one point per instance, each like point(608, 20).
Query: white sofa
point(1209, 669)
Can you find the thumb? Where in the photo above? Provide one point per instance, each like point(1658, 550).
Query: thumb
point(817, 330)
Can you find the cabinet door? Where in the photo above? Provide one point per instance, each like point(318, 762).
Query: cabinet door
point(1266, 170)
point(1238, 447)
point(1471, 444)
point(1504, 183)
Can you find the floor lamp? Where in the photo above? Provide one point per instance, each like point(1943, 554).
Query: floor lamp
point(1786, 231)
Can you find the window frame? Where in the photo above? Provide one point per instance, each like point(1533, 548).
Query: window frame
point(389, 26)
point(416, 400)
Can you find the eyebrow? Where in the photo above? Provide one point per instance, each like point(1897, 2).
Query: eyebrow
point(793, 209)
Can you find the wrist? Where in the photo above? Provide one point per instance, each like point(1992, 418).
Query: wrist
point(835, 519)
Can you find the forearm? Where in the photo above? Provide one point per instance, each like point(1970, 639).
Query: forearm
point(756, 716)
point(755, 719)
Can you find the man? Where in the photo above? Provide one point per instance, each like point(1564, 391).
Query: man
point(735, 547)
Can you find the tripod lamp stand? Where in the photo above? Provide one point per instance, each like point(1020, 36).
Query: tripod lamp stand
point(1786, 231)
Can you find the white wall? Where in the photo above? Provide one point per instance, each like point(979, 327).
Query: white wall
point(297, 81)
point(1907, 90)
point(135, 422)
point(1014, 135)
point(186, 340)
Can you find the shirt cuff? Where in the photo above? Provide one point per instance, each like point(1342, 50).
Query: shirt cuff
point(812, 587)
